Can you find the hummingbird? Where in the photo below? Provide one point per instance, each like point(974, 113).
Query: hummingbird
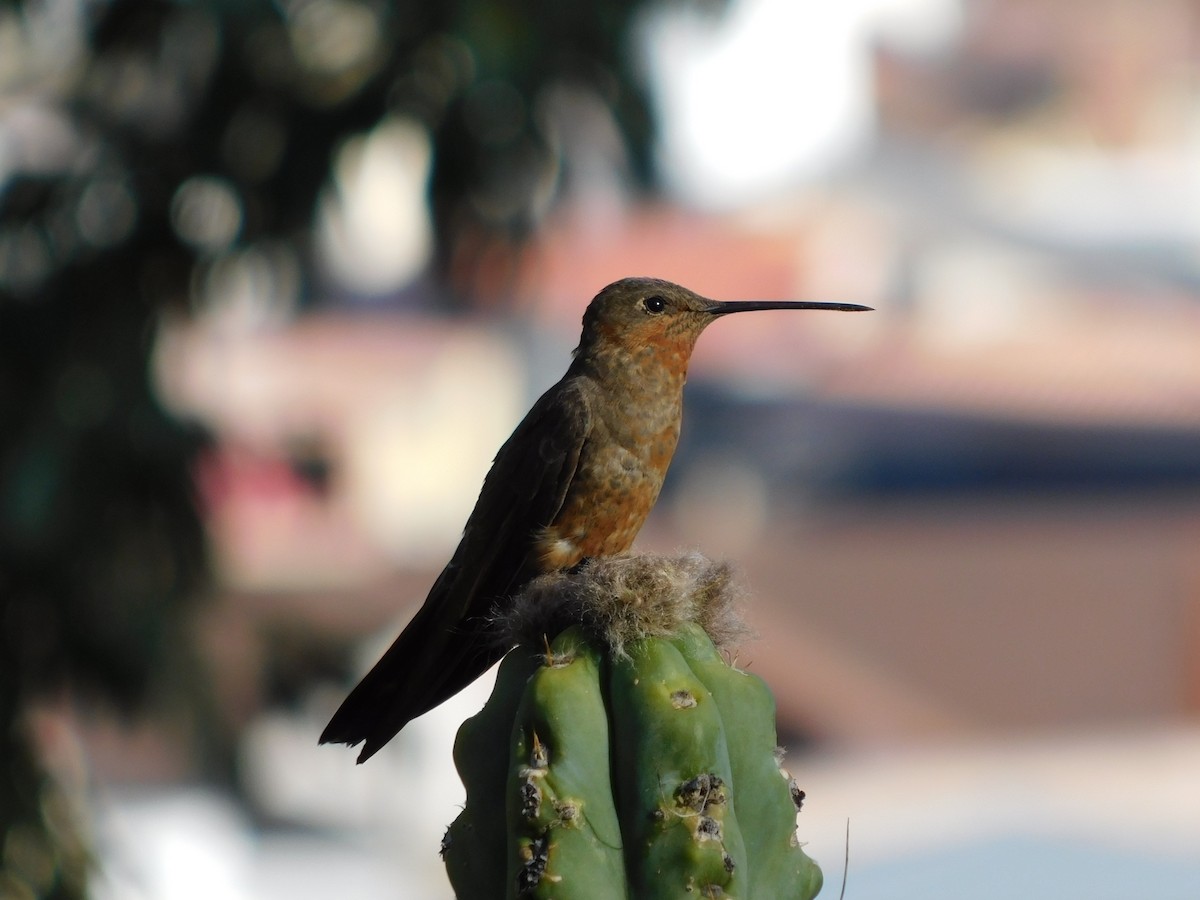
point(574, 481)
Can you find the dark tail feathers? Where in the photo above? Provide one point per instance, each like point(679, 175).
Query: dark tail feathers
point(425, 666)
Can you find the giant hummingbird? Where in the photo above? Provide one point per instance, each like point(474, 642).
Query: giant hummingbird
point(574, 481)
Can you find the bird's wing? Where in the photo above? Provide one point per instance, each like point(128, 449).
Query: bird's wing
point(447, 644)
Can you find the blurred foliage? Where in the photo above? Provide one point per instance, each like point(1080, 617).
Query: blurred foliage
point(255, 98)
point(43, 853)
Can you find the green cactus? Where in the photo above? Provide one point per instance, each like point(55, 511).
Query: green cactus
point(626, 759)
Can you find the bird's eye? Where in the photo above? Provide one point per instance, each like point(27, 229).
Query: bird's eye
point(654, 305)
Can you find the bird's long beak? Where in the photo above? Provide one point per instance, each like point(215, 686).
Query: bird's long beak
point(725, 307)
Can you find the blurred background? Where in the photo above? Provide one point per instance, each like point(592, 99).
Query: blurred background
point(277, 279)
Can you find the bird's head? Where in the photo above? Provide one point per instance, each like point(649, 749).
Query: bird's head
point(636, 313)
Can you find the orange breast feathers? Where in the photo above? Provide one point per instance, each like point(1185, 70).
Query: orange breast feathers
point(607, 503)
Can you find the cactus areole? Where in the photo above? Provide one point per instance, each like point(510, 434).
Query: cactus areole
point(622, 756)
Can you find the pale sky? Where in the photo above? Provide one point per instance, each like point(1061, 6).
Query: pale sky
point(773, 92)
